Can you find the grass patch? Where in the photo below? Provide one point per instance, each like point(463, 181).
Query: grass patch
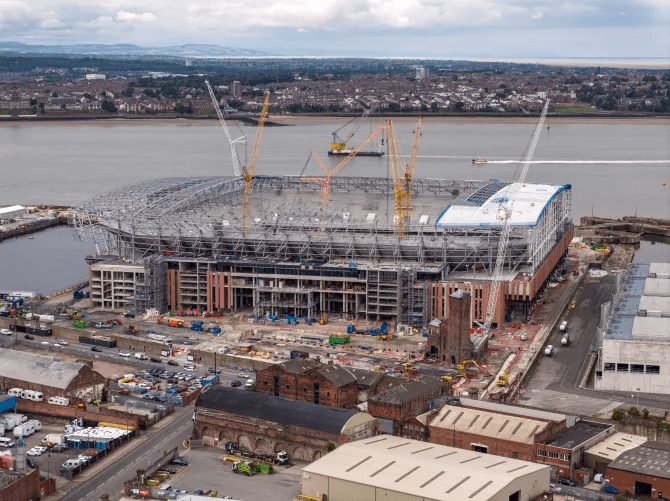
point(573, 109)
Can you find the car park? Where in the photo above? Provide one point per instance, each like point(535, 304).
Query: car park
point(37, 450)
point(235, 383)
point(610, 489)
point(567, 481)
point(96, 348)
point(188, 378)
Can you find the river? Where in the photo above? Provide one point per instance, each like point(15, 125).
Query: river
point(616, 168)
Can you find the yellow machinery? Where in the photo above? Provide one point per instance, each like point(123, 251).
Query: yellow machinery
point(324, 319)
point(464, 364)
point(325, 181)
point(339, 144)
point(503, 379)
point(385, 337)
point(402, 176)
point(446, 378)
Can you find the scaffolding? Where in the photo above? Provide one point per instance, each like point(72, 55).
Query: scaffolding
point(195, 226)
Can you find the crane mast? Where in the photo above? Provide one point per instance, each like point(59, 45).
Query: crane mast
point(339, 144)
point(506, 229)
point(237, 167)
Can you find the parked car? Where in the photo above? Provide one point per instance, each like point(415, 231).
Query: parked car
point(172, 362)
point(249, 383)
point(235, 383)
point(242, 375)
point(155, 360)
point(32, 463)
point(179, 462)
point(5, 332)
point(62, 342)
point(28, 336)
point(96, 348)
point(124, 354)
point(567, 481)
point(212, 370)
point(610, 489)
point(59, 447)
point(171, 471)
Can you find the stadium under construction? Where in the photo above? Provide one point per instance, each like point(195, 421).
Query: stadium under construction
point(195, 244)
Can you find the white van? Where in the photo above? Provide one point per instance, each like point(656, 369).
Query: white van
point(72, 463)
point(15, 392)
point(7, 422)
point(17, 418)
point(6, 442)
point(19, 431)
point(37, 425)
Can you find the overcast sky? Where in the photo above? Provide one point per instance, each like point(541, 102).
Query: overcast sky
point(431, 28)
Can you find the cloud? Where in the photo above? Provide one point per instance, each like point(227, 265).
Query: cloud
point(130, 17)
point(51, 23)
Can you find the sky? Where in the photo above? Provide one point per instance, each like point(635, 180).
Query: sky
point(424, 28)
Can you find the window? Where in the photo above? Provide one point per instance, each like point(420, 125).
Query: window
point(552, 454)
point(610, 367)
point(622, 367)
point(564, 457)
point(637, 368)
point(515, 454)
point(653, 369)
point(541, 452)
point(305, 390)
point(265, 383)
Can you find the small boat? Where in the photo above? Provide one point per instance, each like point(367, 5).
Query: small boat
point(479, 160)
point(31, 238)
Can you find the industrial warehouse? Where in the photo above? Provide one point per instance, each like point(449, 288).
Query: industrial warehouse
point(189, 244)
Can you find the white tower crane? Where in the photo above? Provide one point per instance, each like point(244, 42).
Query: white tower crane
point(237, 166)
point(506, 210)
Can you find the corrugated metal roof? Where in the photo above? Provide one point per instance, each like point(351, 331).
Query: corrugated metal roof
point(337, 374)
point(426, 470)
point(298, 365)
point(651, 328)
point(38, 369)
point(276, 409)
point(408, 392)
point(652, 458)
point(490, 424)
point(612, 447)
point(530, 201)
point(524, 412)
point(661, 270)
point(655, 304)
point(657, 287)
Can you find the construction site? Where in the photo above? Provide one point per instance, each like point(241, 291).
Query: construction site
point(366, 248)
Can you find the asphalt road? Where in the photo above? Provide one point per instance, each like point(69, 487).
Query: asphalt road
point(554, 384)
point(109, 480)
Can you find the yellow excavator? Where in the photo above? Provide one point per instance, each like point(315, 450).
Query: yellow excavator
point(464, 364)
point(503, 379)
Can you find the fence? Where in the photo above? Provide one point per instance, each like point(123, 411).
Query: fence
point(97, 455)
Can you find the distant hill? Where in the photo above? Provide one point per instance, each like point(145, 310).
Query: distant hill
point(133, 50)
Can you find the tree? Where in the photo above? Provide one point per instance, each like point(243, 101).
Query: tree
point(617, 415)
point(236, 103)
point(108, 106)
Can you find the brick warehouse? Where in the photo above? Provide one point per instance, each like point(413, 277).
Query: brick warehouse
point(28, 371)
point(266, 423)
point(405, 402)
point(643, 471)
point(309, 381)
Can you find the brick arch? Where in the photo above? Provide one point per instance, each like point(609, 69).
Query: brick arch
point(244, 441)
point(263, 445)
point(205, 431)
point(280, 446)
point(316, 455)
point(224, 437)
point(300, 453)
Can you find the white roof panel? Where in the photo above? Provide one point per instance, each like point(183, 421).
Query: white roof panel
point(657, 287)
point(13, 208)
point(655, 303)
point(662, 270)
point(651, 328)
point(529, 203)
point(422, 469)
point(37, 369)
point(616, 444)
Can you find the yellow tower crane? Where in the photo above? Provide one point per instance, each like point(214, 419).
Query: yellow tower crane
point(402, 176)
point(248, 172)
point(325, 181)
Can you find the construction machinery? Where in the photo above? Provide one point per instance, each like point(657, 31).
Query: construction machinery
point(505, 214)
point(325, 181)
point(466, 363)
point(385, 337)
point(351, 329)
point(235, 449)
point(173, 322)
point(402, 175)
point(79, 324)
point(237, 166)
point(337, 339)
point(503, 379)
point(132, 329)
point(339, 146)
point(324, 319)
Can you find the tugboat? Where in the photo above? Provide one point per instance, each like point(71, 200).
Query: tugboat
point(479, 160)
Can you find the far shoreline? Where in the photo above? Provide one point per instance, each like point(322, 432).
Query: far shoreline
point(303, 119)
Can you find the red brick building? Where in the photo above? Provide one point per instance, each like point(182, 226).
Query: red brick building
point(266, 423)
point(29, 371)
point(643, 471)
point(309, 381)
point(405, 402)
point(16, 486)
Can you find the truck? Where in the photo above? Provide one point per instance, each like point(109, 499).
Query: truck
point(196, 325)
point(566, 340)
point(52, 439)
point(160, 338)
point(234, 449)
point(174, 322)
point(381, 329)
point(103, 325)
point(564, 326)
point(549, 351)
point(338, 339)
